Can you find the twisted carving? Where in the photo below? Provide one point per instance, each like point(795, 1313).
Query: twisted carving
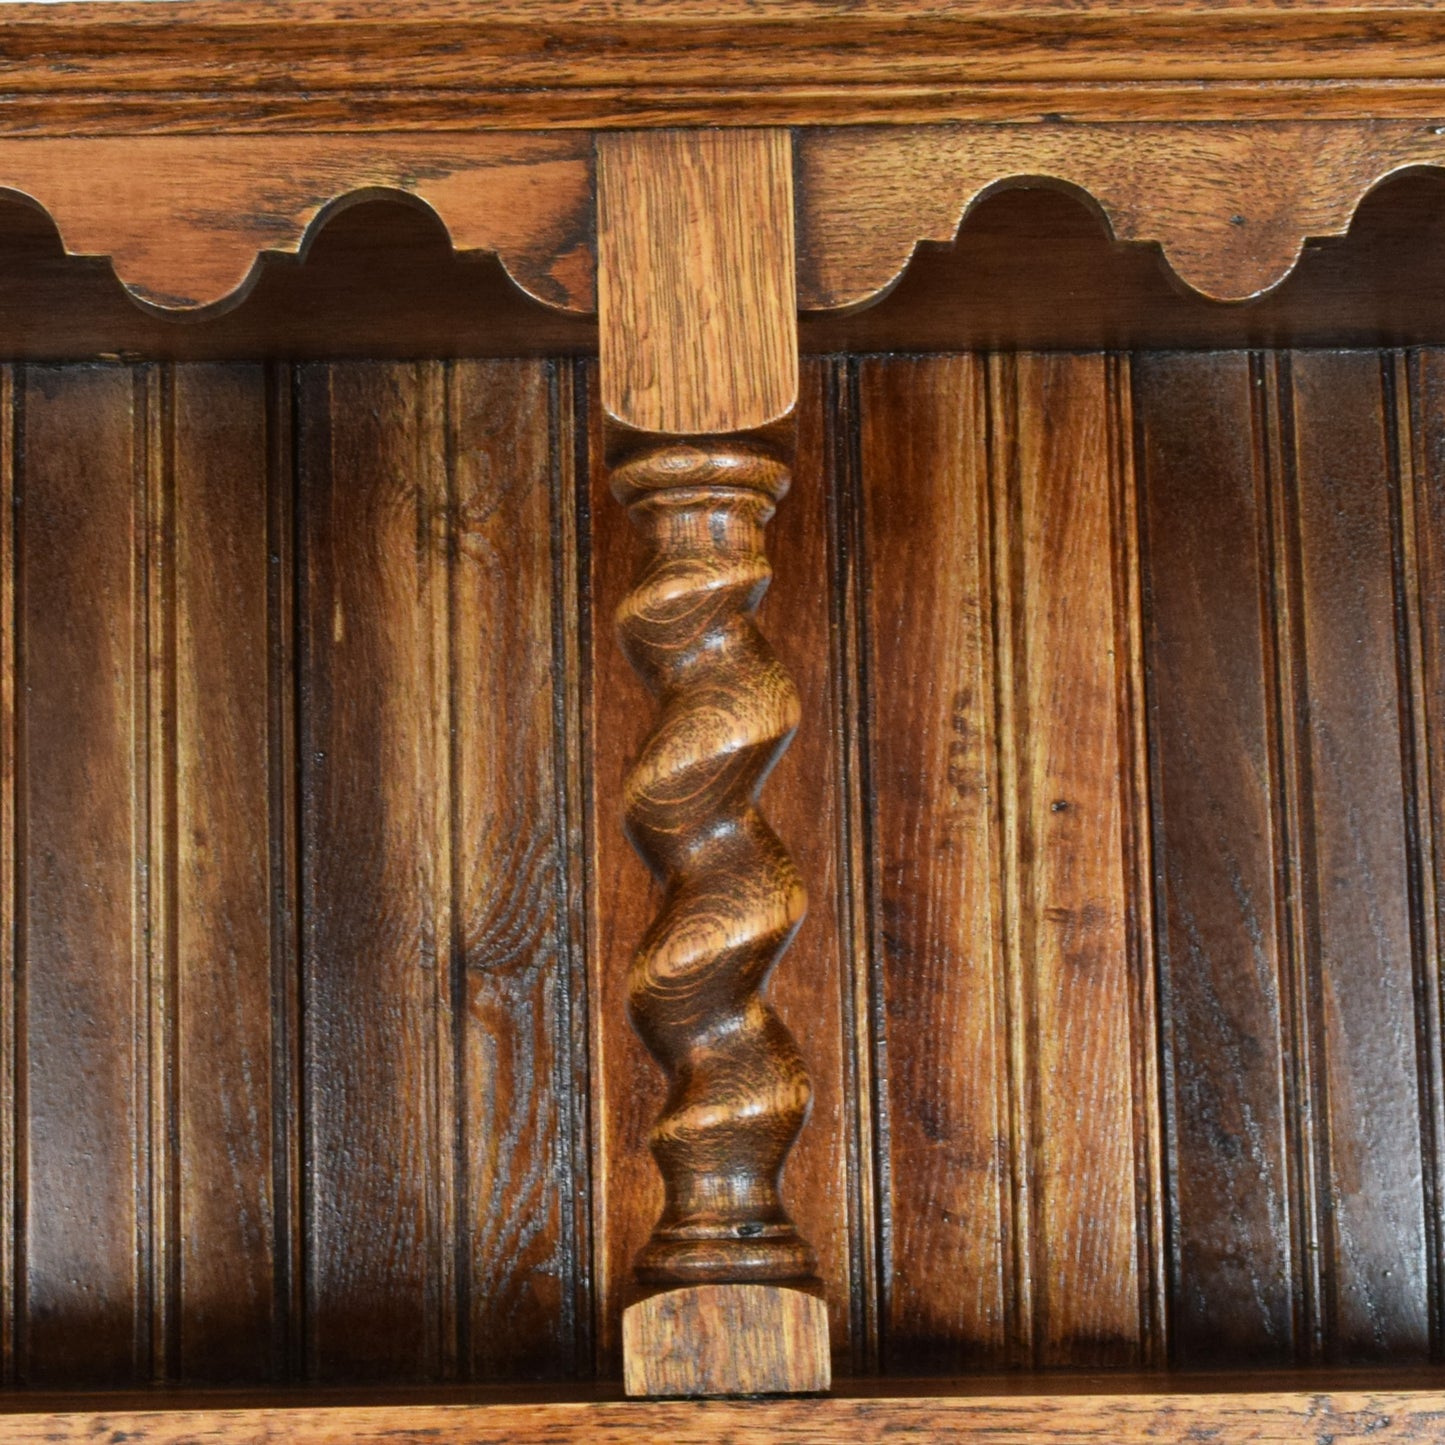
point(738, 1090)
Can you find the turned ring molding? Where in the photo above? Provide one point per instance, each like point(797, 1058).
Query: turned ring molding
point(185, 219)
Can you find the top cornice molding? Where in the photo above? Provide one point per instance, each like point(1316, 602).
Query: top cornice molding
point(97, 67)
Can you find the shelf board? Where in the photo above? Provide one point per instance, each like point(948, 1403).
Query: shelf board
point(1378, 1406)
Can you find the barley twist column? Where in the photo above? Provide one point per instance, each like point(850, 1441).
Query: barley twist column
point(733, 901)
point(699, 378)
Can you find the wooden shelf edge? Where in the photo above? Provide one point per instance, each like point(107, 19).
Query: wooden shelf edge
point(1060, 1410)
point(218, 65)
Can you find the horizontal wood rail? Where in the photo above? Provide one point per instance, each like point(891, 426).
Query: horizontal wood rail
point(1384, 1409)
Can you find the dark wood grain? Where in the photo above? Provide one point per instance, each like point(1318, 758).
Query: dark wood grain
point(1230, 206)
point(506, 635)
point(439, 992)
point(1021, 1141)
point(622, 897)
point(1421, 386)
point(807, 992)
point(1397, 1408)
point(1070, 711)
point(1030, 267)
point(1358, 933)
point(86, 1223)
point(949, 1250)
point(184, 232)
point(379, 278)
point(466, 1124)
point(1222, 947)
point(827, 1172)
point(438, 66)
point(1034, 266)
point(377, 1002)
point(218, 683)
point(1300, 1009)
point(10, 1308)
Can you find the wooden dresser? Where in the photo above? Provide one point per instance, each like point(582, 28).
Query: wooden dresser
point(403, 412)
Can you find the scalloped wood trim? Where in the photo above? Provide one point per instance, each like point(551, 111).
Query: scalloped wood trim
point(184, 218)
point(1230, 204)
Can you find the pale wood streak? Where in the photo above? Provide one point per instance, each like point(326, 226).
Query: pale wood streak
point(696, 296)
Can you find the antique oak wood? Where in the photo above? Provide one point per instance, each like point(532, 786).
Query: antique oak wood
point(1235, 1278)
point(1115, 667)
point(699, 361)
point(208, 65)
point(189, 245)
point(183, 219)
point(1132, 1410)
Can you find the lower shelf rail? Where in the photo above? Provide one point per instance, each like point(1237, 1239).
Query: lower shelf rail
point(1383, 1408)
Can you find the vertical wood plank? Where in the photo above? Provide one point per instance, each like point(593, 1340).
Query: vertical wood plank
point(288, 1312)
point(156, 767)
point(1074, 913)
point(9, 1022)
point(621, 898)
point(1019, 1141)
point(572, 627)
point(1207, 568)
point(1423, 395)
point(865, 1053)
point(1131, 665)
point(437, 782)
point(803, 802)
point(526, 1266)
point(223, 887)
point(81, 647)
point(1358, 924)
point(370, 957)
point(947, 1265)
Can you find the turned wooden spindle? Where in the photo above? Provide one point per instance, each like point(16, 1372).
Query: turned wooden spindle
point(697, 302)
point(738, 1091)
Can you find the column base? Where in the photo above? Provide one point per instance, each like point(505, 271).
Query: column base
point(727, 1339)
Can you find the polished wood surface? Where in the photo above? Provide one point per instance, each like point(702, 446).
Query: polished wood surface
point(1015, 1001)
point(1031, 266)
point(1231, 205)
point(298, 992)
point(213, 65)
point(312, 1056)
point(726, 1339)
point(738, 1309)
point(809, 989)
point(1400, 1409)
point(738, 1088)
point(699, 381)
point(317, 1061)
point(697, 303)
point(183, 219)
point(1282, 534)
